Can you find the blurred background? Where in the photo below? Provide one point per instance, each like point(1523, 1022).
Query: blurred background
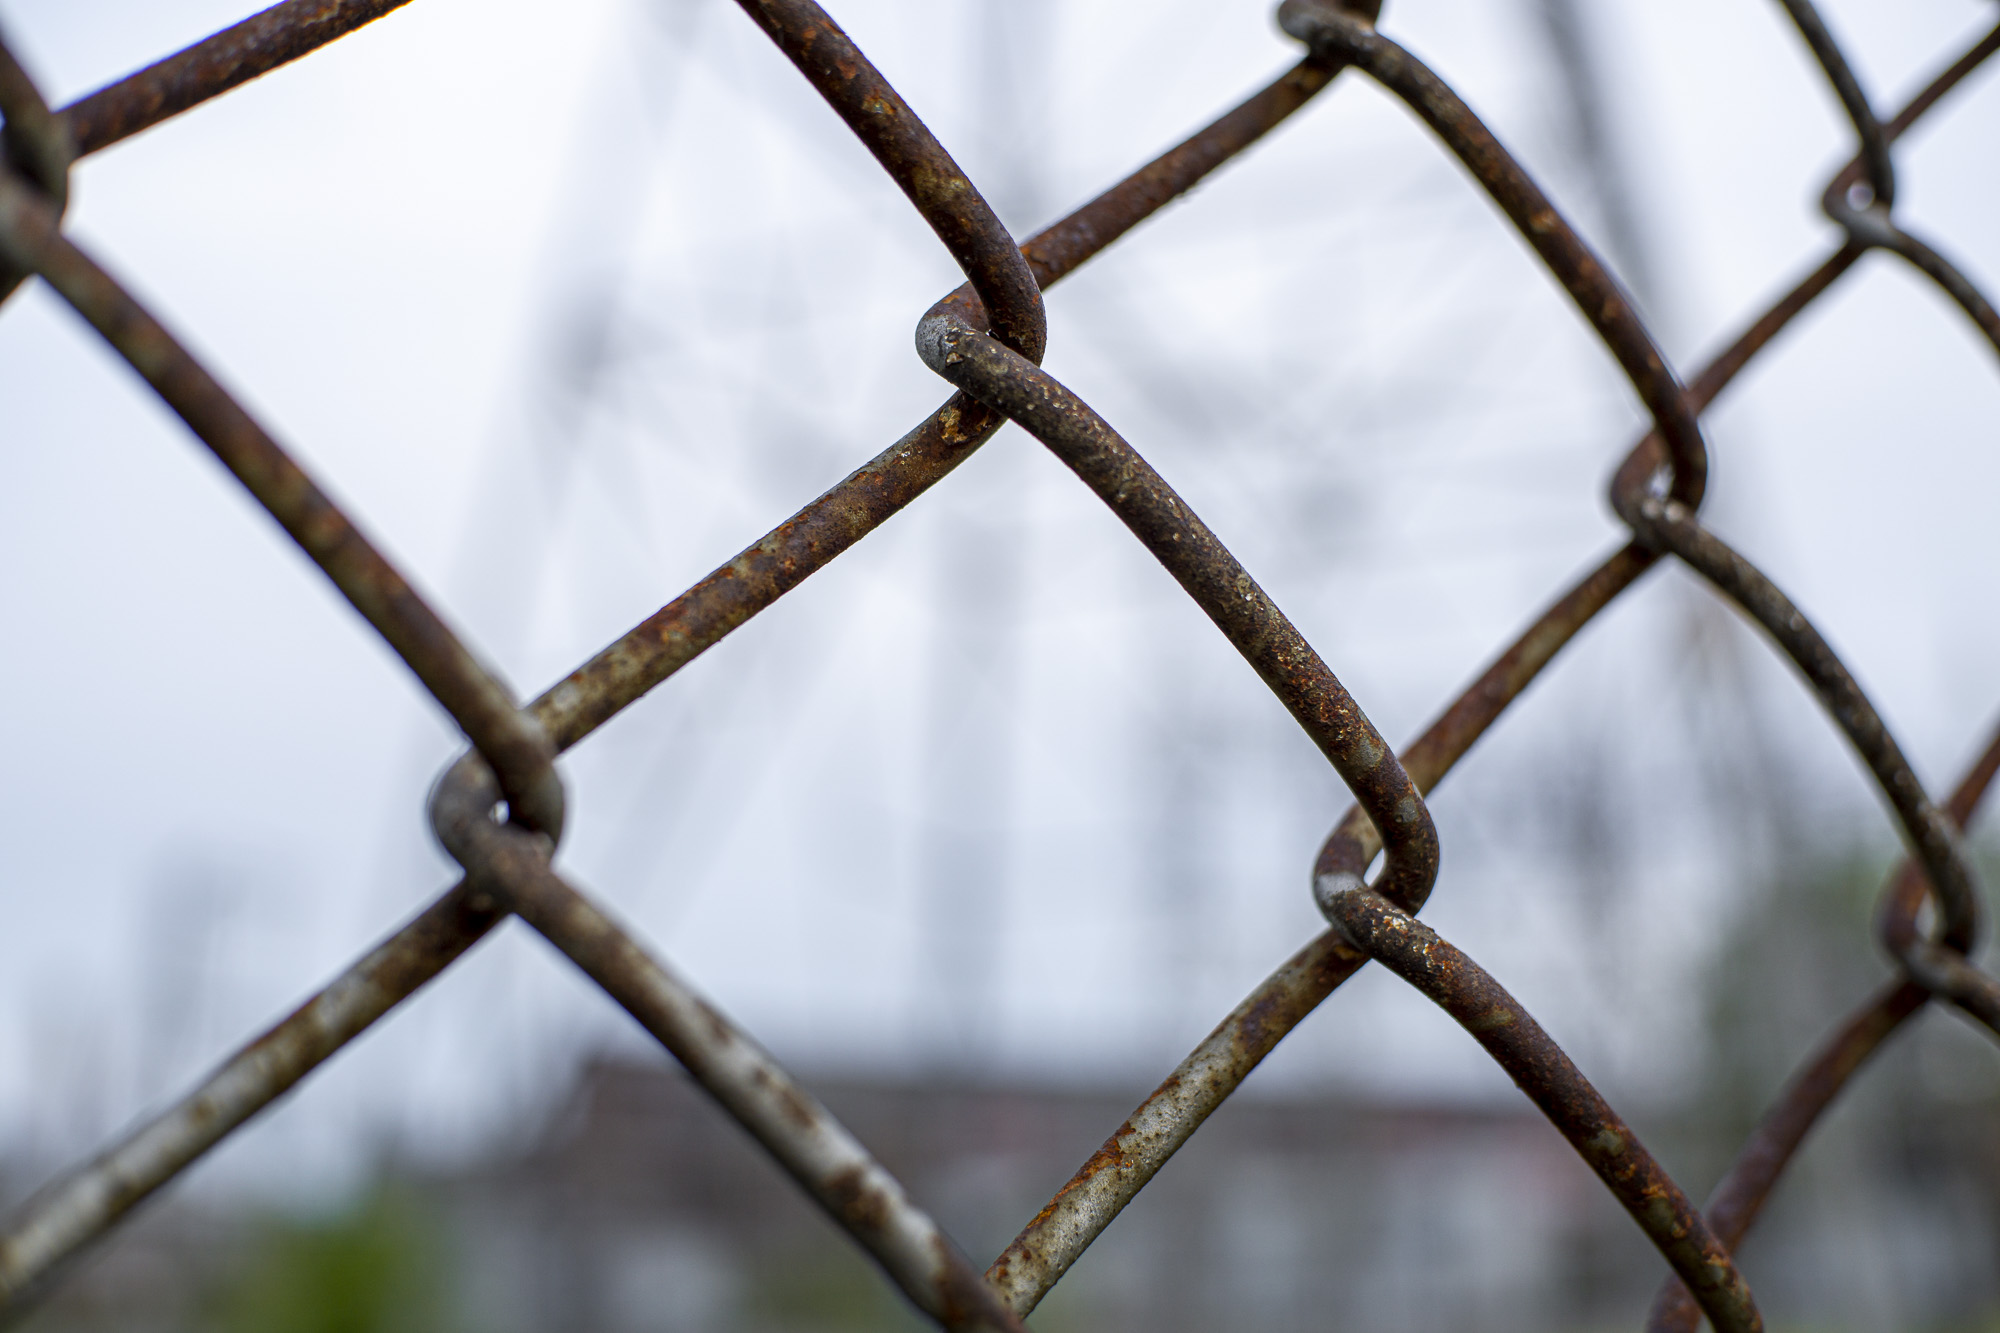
point(984, 827)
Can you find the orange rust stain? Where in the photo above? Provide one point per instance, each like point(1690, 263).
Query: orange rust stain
point(718, 1028)
point(1110, 1157)
point(860, 1206)
point(1266, 1013)
point(797, 1109)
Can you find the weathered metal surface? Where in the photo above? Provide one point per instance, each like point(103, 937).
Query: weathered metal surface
point(1862, 195)
point(1162, 521)
point(33, 139)
point(882, 120)
point(1416, 953)
point(1056, 1237)
point(34, 142)
point(1870, 228)
point(1340, 34)
point(1878, 169)
point(801, 546)
point(510, 866)
point(1066, 1226)
point(259, 44)
point(67, 1214)
point(1664, 523)
point(1669, 525)
point(987, 338)
point(1740, 1195)
point(512, 740)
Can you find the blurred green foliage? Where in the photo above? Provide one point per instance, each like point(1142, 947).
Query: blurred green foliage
point(378, 1266)
point(835, 1290)
point(1799, 957)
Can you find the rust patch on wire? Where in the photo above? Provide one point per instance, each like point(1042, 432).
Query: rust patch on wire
point(259, 44)
point(987, 338)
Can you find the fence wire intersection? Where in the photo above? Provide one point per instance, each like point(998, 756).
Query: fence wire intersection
point(499, 809)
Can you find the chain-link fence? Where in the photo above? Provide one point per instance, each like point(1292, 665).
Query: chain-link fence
point(500, 809)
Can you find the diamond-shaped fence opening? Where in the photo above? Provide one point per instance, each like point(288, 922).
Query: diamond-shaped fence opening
point(501, 808)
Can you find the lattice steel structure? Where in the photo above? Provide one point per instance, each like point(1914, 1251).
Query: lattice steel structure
point(499, 809)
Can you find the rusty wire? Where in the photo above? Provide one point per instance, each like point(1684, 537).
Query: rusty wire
point(499, 809)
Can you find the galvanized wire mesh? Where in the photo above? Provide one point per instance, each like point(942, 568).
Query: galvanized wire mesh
point(499, 810)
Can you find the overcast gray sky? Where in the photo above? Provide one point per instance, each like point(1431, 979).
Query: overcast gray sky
point(568, 312)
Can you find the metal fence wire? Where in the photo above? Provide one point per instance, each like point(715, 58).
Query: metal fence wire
point(499, 809)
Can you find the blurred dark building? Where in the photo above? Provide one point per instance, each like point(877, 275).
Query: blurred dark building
point(645, 1208)
point(640, 1208)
